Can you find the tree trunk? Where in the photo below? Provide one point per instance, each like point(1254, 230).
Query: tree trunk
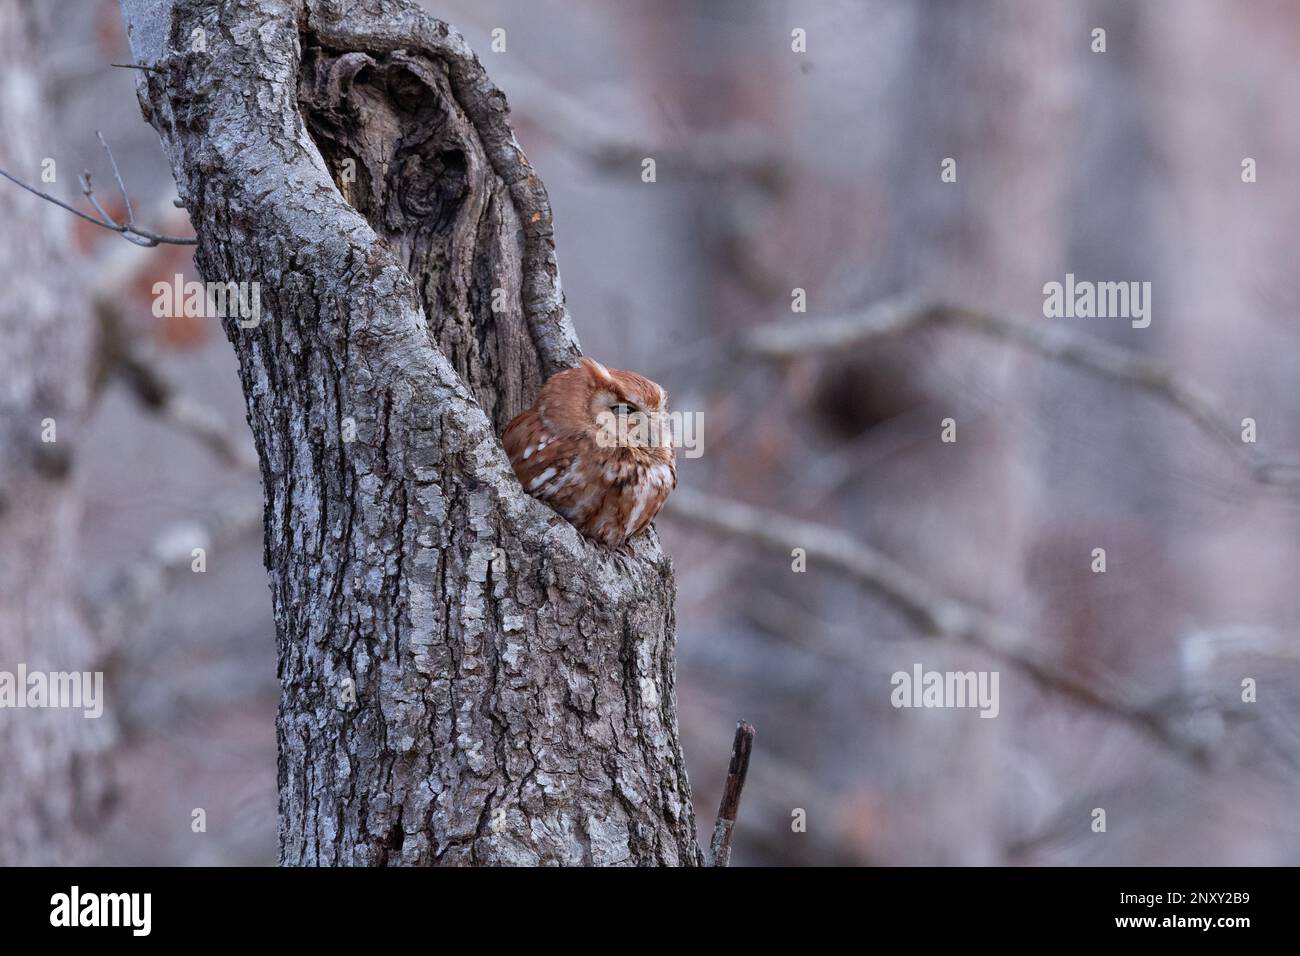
point(465, 680)
point(53, 790)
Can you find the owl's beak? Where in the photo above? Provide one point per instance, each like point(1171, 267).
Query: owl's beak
point(660, 432)
point(640, 430)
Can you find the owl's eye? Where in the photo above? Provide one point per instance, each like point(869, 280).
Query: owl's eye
point(622, 409)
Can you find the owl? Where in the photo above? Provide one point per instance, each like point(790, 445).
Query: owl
point(596, 447)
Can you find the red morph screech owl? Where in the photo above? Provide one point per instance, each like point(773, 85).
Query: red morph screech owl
point(596, 447)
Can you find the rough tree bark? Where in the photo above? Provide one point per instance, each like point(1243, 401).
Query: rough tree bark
point(54, 779)
point(465, 680)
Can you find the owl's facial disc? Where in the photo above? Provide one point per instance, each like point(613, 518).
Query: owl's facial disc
point(628, 413)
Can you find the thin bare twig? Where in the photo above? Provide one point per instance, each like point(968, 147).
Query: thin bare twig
point(88, 191)
point(790, 338)
point(729, 806)
point(58, 202)
point(934, 613)
point(117, 174)
point(127, 230)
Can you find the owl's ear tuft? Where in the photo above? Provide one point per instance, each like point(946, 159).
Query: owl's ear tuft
point(597, 371)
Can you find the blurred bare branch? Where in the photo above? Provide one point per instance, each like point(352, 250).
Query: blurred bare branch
point(201, 422)
point(121, 356)
point(601, 142)
point(794, 337)
point(933, 613)
point(138, 584)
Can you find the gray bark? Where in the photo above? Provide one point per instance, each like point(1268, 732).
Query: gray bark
point(54, 790)
point(513, 683)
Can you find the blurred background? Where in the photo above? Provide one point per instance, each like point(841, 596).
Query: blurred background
point(776, 170)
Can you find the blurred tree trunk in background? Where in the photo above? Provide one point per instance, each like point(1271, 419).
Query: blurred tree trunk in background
point(464, 680)
point(930, 82)
point(54, 788)
point(988, 239)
